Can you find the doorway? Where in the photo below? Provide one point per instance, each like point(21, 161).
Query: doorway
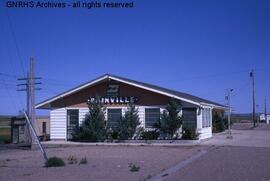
point(72, 122)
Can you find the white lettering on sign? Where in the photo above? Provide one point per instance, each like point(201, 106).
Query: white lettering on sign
point(114, 100)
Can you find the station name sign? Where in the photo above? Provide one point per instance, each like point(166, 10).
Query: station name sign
point(114, 100)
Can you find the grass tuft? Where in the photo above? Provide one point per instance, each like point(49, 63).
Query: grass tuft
point(83, 161)
point(133, 167)
point(55, 162)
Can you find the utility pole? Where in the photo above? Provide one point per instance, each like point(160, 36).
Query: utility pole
point(265, 111)
point(32, 95)
point(253, 97)
point(228, 98)
point(30, 88)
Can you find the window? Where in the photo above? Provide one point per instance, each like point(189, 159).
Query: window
point(189, 118)
point(152, 116)
point(203, 118)
point(206, 117)
point(114, 115)
point(209, 118)
point(44, 127)
point(73, 117)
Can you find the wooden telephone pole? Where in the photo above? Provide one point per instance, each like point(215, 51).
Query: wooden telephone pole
point(228, 98)
point(265, 110)
point(253, 98)
point(30, 88)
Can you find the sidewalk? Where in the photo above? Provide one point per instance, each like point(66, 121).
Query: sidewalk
point(258, 137)
point(245, 136)
point(166, 143)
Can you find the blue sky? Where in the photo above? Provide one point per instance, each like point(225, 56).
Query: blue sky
point(193, 46)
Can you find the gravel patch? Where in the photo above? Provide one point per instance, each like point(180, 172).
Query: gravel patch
point(104, 162)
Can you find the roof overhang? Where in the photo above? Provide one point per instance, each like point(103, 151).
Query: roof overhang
point(46, 104)
point(62, 95)
point(214, 106)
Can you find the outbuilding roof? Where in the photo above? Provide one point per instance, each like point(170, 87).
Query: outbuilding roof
point(154, 88)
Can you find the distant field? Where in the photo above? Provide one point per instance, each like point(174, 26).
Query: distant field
point(5, 123)
point(5, 120)
point(5, 131)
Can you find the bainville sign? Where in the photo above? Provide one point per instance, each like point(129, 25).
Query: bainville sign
point(114, 100)
point(113, 97)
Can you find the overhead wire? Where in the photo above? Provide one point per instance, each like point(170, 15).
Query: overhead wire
point(222, 74)
point(11, 61)
point(15, 41)
point(9, 94)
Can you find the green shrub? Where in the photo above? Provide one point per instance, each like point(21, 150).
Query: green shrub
point(171, 120)
point(133, 167)
point(5, 139)
point(149, 135)
point(55, 162)
point(128, 124)
point(112, 134)
point(93, 128)
point(83, 161)
point(219, 124)
point(190, 134)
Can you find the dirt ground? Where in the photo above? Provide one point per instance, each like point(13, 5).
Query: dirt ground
point(104, 162)
point(245, 157)
point(228, 163)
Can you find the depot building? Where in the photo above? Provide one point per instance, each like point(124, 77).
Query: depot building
point(68, 109)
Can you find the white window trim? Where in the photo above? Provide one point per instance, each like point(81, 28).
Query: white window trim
point(206, 117)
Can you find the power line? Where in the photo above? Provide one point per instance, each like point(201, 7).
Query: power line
point(13, 69)
point(262, 69)
point(223, 74)
point(237, 90)
point(15, 41)
point(8, 75)
point(9, 94)
point(63, 82)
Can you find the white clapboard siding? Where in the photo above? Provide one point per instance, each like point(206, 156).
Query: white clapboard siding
point(59, 119)
point(58, 124)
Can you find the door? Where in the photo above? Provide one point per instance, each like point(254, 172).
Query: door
point(72, 122)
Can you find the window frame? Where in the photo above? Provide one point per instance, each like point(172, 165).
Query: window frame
point(44, 127)
point(147, 125)
point(71, 123)
point(188, 123)
point(206, 117)
point(108, 117)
